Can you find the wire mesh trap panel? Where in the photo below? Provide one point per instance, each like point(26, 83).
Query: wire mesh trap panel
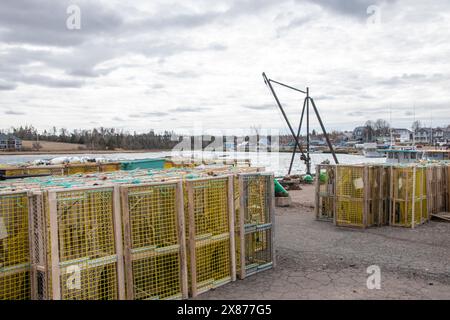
point(325, 192)
point(14, 247)
point(86, 244)
point(408, 196)
point(351, 189)
point(437, 193)
point(377, 196)
point(210, 219)
point(254, 223)
point(155, 258)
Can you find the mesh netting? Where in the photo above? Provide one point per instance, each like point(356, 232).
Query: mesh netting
point(155, 247)
point(14, 247)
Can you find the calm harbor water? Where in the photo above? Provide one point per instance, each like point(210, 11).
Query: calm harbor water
point(273, 161)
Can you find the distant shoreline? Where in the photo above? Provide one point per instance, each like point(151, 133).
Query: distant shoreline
point(21, 153)
point(43, 152)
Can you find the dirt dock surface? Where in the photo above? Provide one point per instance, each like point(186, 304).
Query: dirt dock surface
point(316, 260)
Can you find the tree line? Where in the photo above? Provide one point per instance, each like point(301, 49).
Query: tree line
point(99, 138)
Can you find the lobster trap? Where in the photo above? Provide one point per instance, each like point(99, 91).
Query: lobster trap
point(14, 247)
point(210, 230)
point(325, 194)
point(254, 207)
point(154, 237)
point(362, 196)
point(409, 205)
point(78, 249)
point(437, 189)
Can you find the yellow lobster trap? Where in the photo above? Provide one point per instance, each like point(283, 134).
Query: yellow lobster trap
point(362, 196)
point(154, 237)
point(409, 205)
point(78, 248)
point(14, 247)
point(254, 207)
point(210, 223)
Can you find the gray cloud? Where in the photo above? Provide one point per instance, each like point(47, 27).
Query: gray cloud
point(14, 113)
point(414, 78)
point(356, 8)
point(148, 115)
point(189, 109)
point(47, 20)
point(211, 54)
point(7, 86)
point(259, 107)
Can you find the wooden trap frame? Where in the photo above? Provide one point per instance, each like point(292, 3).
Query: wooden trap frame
point(209, 211)
point(362, 196)
point(77, 247)
point(154, 238)
point(408, 206)
point(325, 192)
point(254, 223)
point(15, 257)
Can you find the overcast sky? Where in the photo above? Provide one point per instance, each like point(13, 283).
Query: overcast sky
point(141, 65)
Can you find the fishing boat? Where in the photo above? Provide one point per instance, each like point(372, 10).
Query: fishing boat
point(371, 150)
point(403, 154)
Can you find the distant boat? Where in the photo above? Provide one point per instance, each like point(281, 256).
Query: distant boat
point(436, 155)
point(370, 150)
point(403, 154)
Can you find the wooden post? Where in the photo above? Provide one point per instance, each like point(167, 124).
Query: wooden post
point(381, 181)
point(391, 196)
point(317, 195)
point(272, 219)
point(32, 246)
point(406, 199)
point(192, 242)
point(128, 245)
point(119, 242)
point(366, 195)
point(231, 215)
point(242, 212)
point(182, 240)
point(53, 211)
point(422, 175)
point(428, 178)
point(336, 180)
point(413, 198)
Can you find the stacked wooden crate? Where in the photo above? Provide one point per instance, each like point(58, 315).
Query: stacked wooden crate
point(136, 235)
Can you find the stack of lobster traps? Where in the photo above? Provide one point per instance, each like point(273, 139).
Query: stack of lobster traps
point(130, 235)
point(352, 195)
point(369, 195)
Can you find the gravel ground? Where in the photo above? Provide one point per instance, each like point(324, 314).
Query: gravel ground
point(316, 260)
